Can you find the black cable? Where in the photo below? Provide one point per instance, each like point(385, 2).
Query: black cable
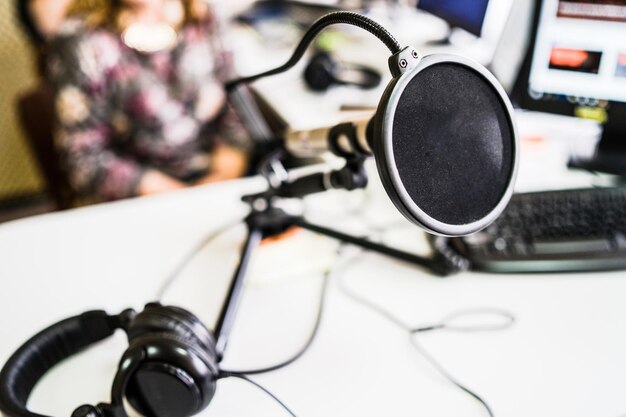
point(350, 18)
point(447, 323)
point(435, 364)
point(307, 344)
point(224, 374)
point(509, 319)
point(175, 272)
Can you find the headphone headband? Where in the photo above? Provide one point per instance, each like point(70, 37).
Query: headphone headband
point(169, 369)
point(46, 349)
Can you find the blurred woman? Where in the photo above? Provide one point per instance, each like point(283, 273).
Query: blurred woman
point(139, 99)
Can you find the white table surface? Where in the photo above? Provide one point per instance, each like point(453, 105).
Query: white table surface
point(564, 356)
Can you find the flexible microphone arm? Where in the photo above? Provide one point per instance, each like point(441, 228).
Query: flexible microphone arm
point(350, 18)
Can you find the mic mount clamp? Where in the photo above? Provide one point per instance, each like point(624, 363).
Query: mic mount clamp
point(342, 142)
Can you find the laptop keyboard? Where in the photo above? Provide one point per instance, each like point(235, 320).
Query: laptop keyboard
point(552, 227)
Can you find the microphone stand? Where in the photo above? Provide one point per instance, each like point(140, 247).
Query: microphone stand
point(267, 220)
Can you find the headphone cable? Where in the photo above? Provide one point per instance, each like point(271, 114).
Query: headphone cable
point(320, 310)
point(201, 244)
point(243, 374)
point(226, 374)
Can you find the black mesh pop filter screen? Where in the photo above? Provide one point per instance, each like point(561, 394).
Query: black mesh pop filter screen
point(449, 145)
point(454, 156)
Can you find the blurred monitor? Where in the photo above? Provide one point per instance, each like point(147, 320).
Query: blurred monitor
point(576, 65)
point(466, 14)
point(482, 18)
point(475, 26)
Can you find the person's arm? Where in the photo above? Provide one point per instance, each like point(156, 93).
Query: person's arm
point(48, 15)
point(227, 162)
point(153, 182)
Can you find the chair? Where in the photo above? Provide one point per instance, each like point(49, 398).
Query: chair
point(35, 110)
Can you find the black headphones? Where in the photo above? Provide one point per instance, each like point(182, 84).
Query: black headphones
point(169, 369)
point(323, 71)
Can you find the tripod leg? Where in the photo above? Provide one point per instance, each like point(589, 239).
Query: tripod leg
point(227, 315)
point(430, 264)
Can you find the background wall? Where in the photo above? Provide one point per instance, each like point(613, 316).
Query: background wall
point(18, 174)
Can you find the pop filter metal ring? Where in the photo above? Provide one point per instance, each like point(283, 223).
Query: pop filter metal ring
point(385, 159)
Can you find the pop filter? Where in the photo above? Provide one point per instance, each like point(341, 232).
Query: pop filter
point(445, 143)
point(443, 136)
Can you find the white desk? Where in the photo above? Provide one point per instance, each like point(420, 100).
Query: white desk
point(565, 356)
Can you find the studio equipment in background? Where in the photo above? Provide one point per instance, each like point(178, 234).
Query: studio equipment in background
point(446, 148)
point(325, 71)
point(567, 71)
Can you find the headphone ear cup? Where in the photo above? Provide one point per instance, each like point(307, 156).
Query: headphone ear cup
point(156, 318)
point(177, 369)
point(175, 378)
point(319, 72)
point(208, 356)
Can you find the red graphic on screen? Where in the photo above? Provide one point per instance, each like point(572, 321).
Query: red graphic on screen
point(620, 70)
point(577, 60)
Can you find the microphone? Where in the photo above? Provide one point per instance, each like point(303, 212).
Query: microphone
point(315, 142)
point(443, 137)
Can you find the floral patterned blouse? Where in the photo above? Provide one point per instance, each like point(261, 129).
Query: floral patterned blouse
point(121, 111)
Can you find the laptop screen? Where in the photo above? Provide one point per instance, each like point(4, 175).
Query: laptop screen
point(580, 52)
